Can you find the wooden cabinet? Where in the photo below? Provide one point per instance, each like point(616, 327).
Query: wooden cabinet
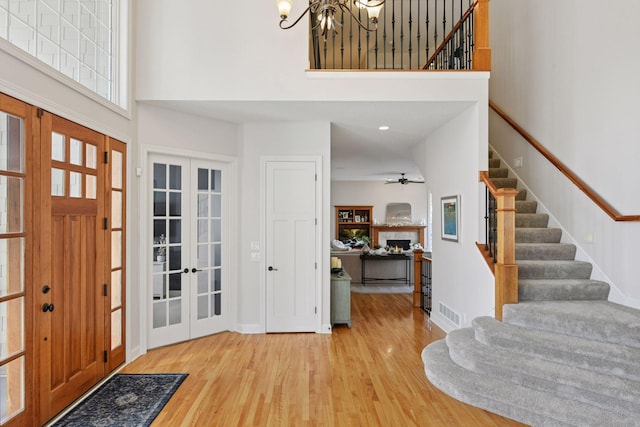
point(353, 222)
point(341, 299)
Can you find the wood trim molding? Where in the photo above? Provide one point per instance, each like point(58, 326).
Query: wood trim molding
point(584, 187)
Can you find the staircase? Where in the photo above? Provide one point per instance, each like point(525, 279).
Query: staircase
point(562, 356)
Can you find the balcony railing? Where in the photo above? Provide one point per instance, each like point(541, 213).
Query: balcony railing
point(410, 35)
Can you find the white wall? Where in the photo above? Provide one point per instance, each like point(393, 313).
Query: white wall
point(449, 163)
point(378, 194)
point(260, 140)
point(576, 91)
point(204, 50)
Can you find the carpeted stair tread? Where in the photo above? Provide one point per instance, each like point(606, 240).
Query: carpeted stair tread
point(526, 206)
point(494, 163)
point(532, 269)
point(605, 358)
point(602, 390)
point(562, 290)
point(514, 401)
point(532, 220)
point(498, 173)
point(545, 251)
point(538, 235)
point(597, 320)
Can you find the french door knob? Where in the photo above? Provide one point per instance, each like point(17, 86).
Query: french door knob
point(195, 270)
point(47, 307)
point(186, 270)
point(272, 269)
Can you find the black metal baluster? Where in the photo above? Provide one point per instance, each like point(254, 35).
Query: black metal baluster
point(418, 36)
point(393, 35)
point(486, 218)
point(342, 42)
point(410, 33)
point(401, 35)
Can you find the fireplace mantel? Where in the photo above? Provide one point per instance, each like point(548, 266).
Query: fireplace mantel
point(377, 229)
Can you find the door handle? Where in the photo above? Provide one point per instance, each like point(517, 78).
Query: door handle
point(46, 289)
point(195, 270)
point(47, 307)
point(272, 269)
point(186, 270)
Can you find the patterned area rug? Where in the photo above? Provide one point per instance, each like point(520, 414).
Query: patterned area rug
point(381, 289)
point(125, 400)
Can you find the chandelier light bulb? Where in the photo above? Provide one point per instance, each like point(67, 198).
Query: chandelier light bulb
point(284, 8)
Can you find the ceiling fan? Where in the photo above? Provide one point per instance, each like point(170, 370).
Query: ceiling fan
point(403, 180)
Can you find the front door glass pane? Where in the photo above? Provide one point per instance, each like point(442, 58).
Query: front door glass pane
point(12, 392)
point(75, 152)
point(57, 147)
point(11, 266)
point(11, 206)
point(57, 182)
point(12, 255)
point(11, 147)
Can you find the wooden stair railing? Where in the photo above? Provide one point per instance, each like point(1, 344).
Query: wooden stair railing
point(417, 275)
point(584, 187)
point(505, 268)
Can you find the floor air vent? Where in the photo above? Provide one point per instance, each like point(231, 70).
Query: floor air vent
point(449, 314)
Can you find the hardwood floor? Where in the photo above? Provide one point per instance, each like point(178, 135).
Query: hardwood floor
point(369, 375)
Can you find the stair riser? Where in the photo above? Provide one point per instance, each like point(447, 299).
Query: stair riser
point(494, 163)
point(513, 401)
point(554, 271)
point(552, 251)
point(505, 182)
point(594, 320)
point(543, 375)
point(498, 173)
point(562, 293)
point(541, 235)
point(602, 358)
point(526, 206)
point(526, 220)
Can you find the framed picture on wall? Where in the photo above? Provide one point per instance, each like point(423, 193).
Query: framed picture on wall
point(450, 210)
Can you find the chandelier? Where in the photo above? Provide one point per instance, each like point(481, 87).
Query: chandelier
point(325, 10)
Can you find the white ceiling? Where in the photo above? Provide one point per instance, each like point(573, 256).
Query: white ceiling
point(359, 151)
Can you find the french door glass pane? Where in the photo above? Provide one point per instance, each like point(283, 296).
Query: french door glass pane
point(175, 177)
point(209, 246)
point(159, 175)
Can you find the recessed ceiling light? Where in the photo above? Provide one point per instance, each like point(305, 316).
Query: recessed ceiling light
point(383, 128)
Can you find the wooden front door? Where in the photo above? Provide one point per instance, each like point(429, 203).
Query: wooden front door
point(71, 319)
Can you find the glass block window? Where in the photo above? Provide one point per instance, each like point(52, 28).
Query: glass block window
point(75, 37)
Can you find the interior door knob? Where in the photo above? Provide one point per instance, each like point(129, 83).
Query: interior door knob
point(272, 269)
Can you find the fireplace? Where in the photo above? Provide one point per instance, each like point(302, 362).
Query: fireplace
point(400, 243)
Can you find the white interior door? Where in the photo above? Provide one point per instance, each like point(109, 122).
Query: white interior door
point(290, 254)
point(188, 286)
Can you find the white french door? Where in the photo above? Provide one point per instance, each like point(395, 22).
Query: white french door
point(189, 257)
